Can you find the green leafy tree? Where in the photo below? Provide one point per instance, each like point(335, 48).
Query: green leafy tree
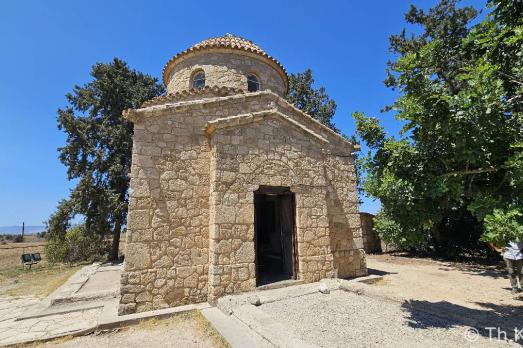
point(457, 164)
point(97, 152)
point(313, 101)
point(77, 245)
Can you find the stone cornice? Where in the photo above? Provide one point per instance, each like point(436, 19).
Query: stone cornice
point(260, 116)
point(205, 92)
point(339, 138)
point(137, 115)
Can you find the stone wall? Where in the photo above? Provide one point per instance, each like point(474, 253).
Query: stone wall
point(371, 240)
point(226, 68)
point(167, 241)
point(344, 223)
point(195, 167)
point(269, 152)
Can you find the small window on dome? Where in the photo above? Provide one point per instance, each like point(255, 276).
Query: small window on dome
point(198, 80)
point(253, 84)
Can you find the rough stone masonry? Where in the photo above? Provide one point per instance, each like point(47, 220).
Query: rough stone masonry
point(202, 153)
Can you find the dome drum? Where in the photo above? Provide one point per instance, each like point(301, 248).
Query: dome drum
point(226, 61)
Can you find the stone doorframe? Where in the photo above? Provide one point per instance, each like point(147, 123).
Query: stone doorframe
point(291, 238)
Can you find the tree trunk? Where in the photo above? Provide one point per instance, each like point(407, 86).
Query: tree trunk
point(116, 242)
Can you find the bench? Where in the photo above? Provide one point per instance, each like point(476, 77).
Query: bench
point(30, 259)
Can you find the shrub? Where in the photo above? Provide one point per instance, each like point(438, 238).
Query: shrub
point(503, 226)
point(77, 246)
point(392, 233)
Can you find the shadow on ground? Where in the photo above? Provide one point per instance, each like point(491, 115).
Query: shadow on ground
point(443, 314)
point(475, 269)
point(379, 272)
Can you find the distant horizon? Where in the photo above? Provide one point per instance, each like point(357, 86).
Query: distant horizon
point(17, 229)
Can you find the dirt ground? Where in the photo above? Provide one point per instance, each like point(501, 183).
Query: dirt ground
point(184, 330)
point(468, 285)
point(345, 319)
point(419, 303)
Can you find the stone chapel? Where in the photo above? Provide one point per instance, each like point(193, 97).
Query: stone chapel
point(232, 187)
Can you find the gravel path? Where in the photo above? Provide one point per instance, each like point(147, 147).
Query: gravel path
point(342, 319)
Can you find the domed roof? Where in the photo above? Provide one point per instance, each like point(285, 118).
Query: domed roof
point(230, 41)
point(227, 41)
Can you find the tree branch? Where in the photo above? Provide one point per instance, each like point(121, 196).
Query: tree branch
point(512, 78)
point(474, 171)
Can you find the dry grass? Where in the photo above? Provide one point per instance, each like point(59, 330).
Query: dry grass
point(195, 316)
point(151, 323)
point(40, 280)
point(381, 282)
point(40, 344)
point(209, 330)
point(191, 328)
point(10, 253)
point(60, 340)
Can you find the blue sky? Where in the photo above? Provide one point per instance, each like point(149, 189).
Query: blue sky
point(49, 46)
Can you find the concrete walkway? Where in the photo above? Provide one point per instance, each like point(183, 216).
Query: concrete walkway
point(243, 323)
point(47, 327)
point(72, 309)
point(235, 332)
point(86, 302)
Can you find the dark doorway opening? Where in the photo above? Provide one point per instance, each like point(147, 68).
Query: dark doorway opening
point(275, 235)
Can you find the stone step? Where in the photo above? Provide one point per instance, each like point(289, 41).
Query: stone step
point(236, 333)
point(109, 318)
point(280, 284)
point(91, 296)
point(46, 310)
